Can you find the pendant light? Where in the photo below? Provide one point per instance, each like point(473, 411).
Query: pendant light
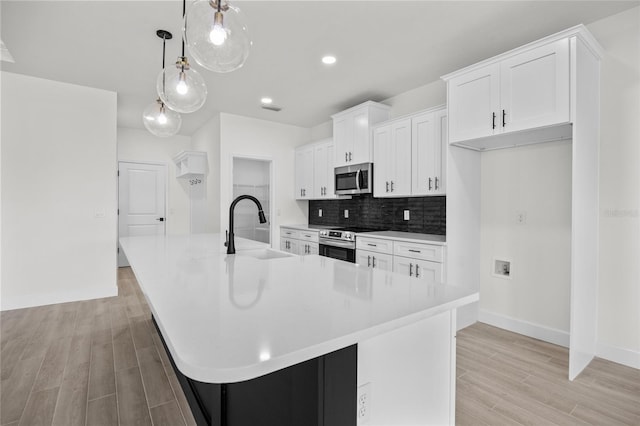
point(157, 118)
point(216, 35)
point(181, 87)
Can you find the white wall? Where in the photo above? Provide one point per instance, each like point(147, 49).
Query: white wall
point(207, 139)
point(619, 274)
point(534, 180)
point(243, 136)
point(59, 223)
point(139, 145)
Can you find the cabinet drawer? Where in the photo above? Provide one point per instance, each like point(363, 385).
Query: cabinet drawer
point(429, 252)
point(374, 244)
point(308, 236)
point(289, 233)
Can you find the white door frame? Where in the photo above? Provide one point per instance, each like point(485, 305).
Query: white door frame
point(271, 187)
point(166, 190)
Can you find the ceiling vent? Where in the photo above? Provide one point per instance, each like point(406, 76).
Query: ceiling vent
point(271, 108)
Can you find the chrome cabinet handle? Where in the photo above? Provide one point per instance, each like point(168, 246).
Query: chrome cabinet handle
point(349, 156)
point(391, 186)
point(493, 120)
point(417, 271)
point(374, 261)
point(429, 184)
point(346, 157)
point(411, 269)
point(372, 245)
point(387, 183)
point(436, 183)
point(368, 261)
point(414, 251)
point(504, 122)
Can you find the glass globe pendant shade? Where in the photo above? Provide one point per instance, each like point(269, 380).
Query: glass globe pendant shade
point(181, 88)
point(217, 37)
point(160, 120)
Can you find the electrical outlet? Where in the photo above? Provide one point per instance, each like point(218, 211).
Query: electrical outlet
point(346, 214)
point(521, 217)
point(364, 403)
point(406, 215)
point(319, 212)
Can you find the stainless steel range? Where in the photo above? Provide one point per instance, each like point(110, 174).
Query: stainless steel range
point(340, 243)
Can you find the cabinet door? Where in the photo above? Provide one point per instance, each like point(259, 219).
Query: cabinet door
point(289, 245)
point(534, 88)
point(381, 161)
point(323, 174)
point(423, 144)
point(400, 157)
point(440, 152)
point(421, 269)
point(474, 103)
point(361, 148)
point(342, 139)
point(305, 248)
point(304, 173)
point(371, 259)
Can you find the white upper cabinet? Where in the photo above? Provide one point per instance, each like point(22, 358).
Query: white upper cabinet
point(409, 155)
point(525, 90)
point(314, 171)
point(352, 132)
point(323, 180)
point(428, 167)
point(392, 159)
point(304, 173)
point(534, 87)
point(474, 101)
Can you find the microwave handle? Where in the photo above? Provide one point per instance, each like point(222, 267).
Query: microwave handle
point(358, 179)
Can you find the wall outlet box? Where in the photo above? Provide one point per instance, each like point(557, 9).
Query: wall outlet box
point(406, 215)
point(364, 404)
point(346, 214)
point(319, 212)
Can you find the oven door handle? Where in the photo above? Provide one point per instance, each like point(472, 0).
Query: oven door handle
point(337, 243)
point(358, 180)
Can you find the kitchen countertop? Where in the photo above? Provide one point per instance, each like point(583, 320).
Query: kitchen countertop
point(412, 237)
point(306, 227)
point(228, 318)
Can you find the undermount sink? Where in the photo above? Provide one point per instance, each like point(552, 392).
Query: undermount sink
point(263, 254)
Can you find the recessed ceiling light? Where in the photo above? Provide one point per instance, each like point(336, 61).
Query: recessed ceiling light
point(266, 101)
point(329, 60)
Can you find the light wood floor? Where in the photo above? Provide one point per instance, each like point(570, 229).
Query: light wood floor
point(101, 362)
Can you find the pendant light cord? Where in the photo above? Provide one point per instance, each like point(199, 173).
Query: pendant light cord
point(184, 11)
point(164, 43)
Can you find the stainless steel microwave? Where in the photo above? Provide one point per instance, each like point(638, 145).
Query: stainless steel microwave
point(354, 179)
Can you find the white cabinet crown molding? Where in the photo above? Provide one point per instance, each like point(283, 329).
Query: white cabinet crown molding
point(579, 31)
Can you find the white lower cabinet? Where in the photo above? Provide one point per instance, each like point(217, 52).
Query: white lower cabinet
point(422, 269)
point(419, 260)
point(371, 259)
point(296, 241)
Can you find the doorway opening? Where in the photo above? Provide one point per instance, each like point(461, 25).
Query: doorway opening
point(252, 176)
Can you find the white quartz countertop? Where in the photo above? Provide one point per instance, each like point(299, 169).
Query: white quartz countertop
point(229, 318)
point(306, 227)
point(412, 237)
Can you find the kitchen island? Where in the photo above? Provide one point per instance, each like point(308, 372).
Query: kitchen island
point(298, 340)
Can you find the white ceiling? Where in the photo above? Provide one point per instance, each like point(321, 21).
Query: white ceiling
point(383, 48)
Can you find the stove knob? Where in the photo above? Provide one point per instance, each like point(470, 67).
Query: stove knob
point(348, 236)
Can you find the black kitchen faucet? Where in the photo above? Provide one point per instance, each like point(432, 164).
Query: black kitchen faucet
point(230, 243)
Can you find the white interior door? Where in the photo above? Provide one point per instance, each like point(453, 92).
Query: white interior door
point(141, 201)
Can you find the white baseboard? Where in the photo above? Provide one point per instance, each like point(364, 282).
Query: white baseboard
point(31, 300)
point(547, 334)
point(627, 357)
